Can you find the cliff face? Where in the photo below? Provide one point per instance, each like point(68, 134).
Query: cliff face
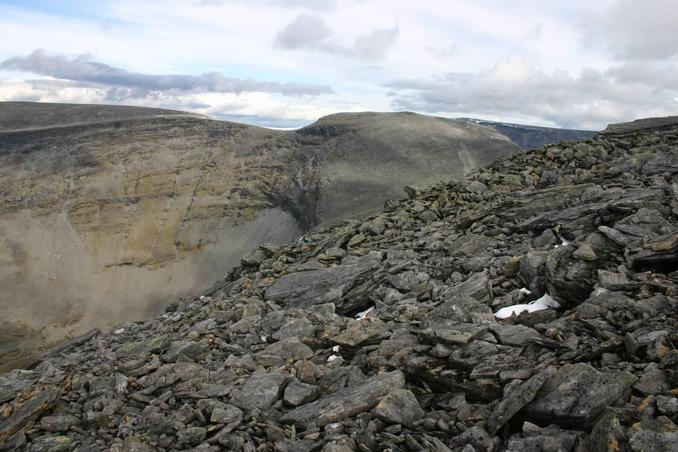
point(531, 306)
point(110, 219)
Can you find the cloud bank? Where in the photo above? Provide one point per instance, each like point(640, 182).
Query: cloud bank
point(578, 64)
point(83, 69)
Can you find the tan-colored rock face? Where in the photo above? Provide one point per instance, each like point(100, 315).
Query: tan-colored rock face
point(112, 221)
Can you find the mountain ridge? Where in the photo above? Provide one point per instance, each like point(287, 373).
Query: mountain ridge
point(106, 221)
point(383, 333)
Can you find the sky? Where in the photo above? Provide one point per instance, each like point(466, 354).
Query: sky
point(286, 63)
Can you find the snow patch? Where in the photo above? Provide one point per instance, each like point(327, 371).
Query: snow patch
point(119, 331)
point(525, 291)
point(335, 349)
point(363, 314)
point(333, 358)
point(542, 303)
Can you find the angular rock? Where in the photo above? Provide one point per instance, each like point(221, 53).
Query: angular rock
point(260, 391)
point(359, 332)
point(399, 407)
point(516, 335)
point(576, 394)
point(225, 414)
point(323, 286)
point(517, 399)
point(298, 393)
point(35, 406)
point(608, 434)
point(347, 402)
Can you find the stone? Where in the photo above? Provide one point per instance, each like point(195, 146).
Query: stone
point(576, 395)
point(467, 302)
point(585, 253)
point(612, 280)
point(359, 332)
point(476, 437)
point(60, 423)
point(323, 286)
point(259, 391)
point(607, 434)
point(399, 407)
point(549, 439)
point(660, 435)
point(191, 436)
point(39, 403)
point(225, 414)
point(190, 349)
point(456, 333)
point(652, 381)
point(298, 393)
point(408, 280)
point(300, 328)
point(346, 402)
point(288, 349)
point(61, 443)
point(531, 272)
point(253, 258)
point(667, 405)
point(515, 400)
point(515, 335)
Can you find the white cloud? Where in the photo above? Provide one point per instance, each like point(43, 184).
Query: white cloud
point(591, 99)
point(83, 69)
point(575, 63)
point(313, 33)
point(634, 29)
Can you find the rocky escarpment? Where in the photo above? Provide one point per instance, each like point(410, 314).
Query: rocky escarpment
point(531, 307)
point(109, 213)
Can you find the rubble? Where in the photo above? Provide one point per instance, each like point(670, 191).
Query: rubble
point(391, 333)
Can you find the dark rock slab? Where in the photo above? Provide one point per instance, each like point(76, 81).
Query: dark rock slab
point(662, 251)
point(608, 434)
point(260, 391)
point(298, 393)
point(31, 410)
point(323, 286)
point(346, 402)
point(653, 435)
point(576, 395)
point(465, 302)
point(399, 407)
point(517, 399)
point(74, 342)
point(516, 335)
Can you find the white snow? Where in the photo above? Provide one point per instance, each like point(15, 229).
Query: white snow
point(565, 243)
point(525, 291)
point(542, 303)
point(263, 338)
point(335, 349)
point(363, 314)
point(119, 331)
point(333, 358)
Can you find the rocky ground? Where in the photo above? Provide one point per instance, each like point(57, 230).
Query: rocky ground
point(108, 213)
point(392, 333)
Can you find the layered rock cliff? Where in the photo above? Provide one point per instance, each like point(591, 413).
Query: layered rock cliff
point(530, 307)
point(109, 213)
